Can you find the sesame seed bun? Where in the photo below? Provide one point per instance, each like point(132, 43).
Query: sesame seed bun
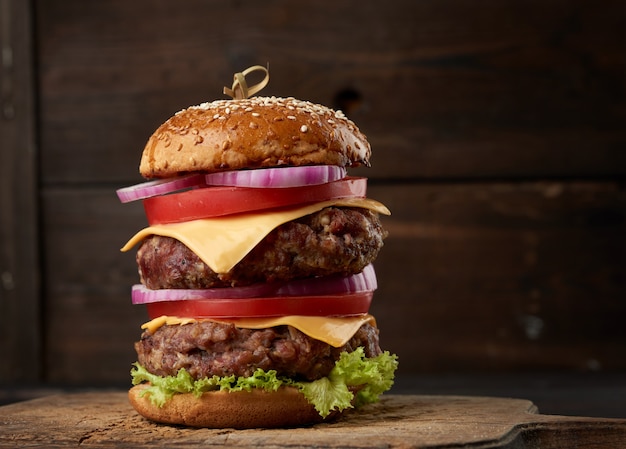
point(253, 133)
point(285, 407)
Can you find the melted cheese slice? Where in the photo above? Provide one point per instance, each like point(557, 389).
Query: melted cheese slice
point(222, 242)
point(336, 331)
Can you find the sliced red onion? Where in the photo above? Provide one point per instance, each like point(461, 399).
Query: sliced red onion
point(158, 187)
point(142, 295)
point(364, 281)
point(278, 176)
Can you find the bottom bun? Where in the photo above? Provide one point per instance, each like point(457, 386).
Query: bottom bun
point(285, 407)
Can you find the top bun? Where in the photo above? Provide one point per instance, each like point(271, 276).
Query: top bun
point(253, 133)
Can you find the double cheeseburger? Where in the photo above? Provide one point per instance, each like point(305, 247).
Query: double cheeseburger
point(256, 267)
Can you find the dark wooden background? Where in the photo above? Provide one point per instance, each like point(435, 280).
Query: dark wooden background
point(499, 139)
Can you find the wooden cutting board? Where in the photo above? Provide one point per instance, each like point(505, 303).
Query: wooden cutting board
point(397, 421)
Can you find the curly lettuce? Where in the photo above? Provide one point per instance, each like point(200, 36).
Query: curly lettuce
point(355, 380)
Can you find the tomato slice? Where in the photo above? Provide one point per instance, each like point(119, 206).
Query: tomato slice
point(323, 305)
point(207, 202)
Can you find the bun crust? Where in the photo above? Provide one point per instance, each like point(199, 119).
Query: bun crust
point(285, 407)
point(253, 133)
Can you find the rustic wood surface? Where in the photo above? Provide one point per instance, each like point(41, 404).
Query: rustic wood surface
point(397, 421)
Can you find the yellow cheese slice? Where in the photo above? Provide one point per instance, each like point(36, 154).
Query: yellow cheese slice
point(222, 242)
point(336, 331)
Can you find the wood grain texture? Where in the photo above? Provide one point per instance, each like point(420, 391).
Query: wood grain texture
point(20, 302)
point(105, 419)
point(503, 276)
point(504, 89)
point(91, 324)
point(498, 143)
point(472, 277)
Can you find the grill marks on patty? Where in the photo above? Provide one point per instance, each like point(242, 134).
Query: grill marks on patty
point(332, 241)
point(208, 348)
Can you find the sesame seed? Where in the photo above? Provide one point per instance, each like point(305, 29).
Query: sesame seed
point(256, 114)
point(248, 109)
point(291, 117)
point(216, 116)
point(253, 125)
point(304, 128)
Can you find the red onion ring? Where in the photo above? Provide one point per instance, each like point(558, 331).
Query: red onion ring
point(158, 187)
point(277, 177)
point(329, 285)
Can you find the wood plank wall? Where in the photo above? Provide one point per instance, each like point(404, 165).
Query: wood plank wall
point(20, 299)
point(499, 144)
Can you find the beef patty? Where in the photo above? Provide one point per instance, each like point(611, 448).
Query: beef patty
point(332, 241)
point(207, 348)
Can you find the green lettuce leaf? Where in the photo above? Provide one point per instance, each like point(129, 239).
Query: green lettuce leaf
point(326, 395)
point(374, 376)
point(370, 377)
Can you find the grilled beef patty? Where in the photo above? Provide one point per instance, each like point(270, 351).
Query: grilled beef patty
point(207, 348)
point(332, 241)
